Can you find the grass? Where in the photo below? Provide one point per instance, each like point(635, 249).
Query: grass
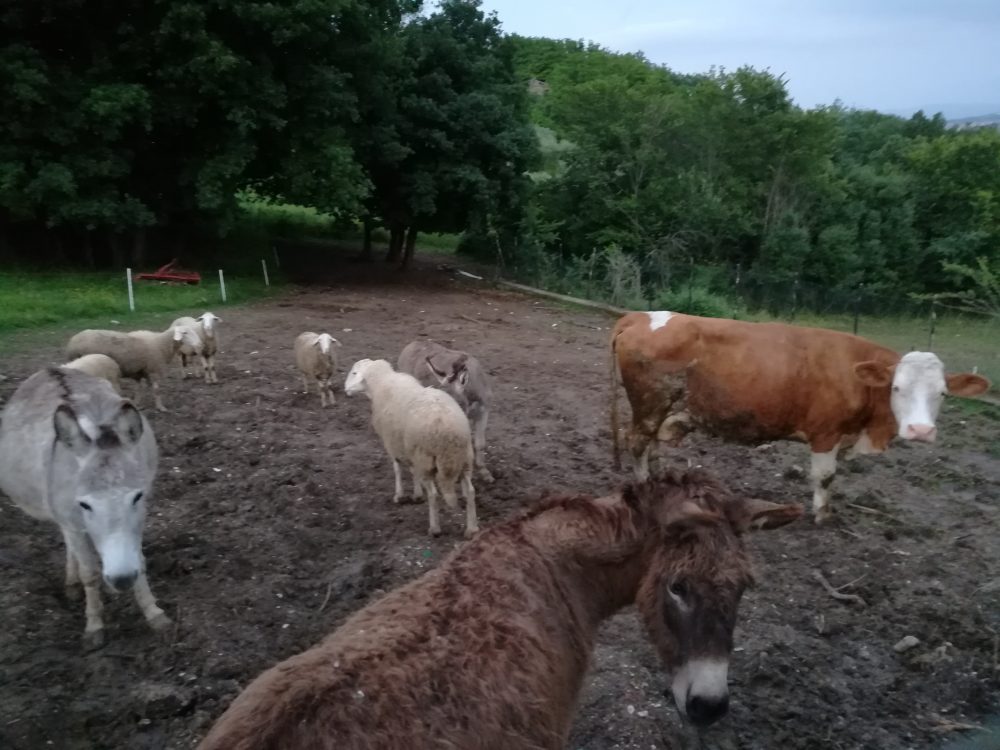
point(962, 342)
point(33, 300)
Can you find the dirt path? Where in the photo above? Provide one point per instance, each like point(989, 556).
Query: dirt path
point(273, 521)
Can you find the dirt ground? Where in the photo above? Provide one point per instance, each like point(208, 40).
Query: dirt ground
point(272, 522)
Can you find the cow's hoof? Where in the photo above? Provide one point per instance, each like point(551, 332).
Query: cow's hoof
point(93, 639)
point(160, 622)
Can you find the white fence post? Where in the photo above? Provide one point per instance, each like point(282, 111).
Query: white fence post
point(222, 285)
point(263, 264)
point(131, 296)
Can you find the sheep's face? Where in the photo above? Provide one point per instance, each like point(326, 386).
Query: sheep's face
point(186, 336)
point(208, 320)
point(355, 382)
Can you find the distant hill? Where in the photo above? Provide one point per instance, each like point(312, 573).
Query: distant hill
point(979, 121)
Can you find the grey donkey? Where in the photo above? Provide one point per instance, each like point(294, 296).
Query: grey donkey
point(461, 376)
point(74, 452)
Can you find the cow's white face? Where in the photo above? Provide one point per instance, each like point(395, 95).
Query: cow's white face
point(918, 388)
point(919, 385)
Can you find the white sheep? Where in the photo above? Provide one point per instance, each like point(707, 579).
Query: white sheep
point(100, 366)
point(316, 358)
point(141, 355)
point(423, 428)
point(204, 325)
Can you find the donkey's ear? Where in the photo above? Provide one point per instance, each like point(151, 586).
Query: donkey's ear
point(68, 429)
point(688, 519)
point(439, 374)
point(128, 423)
point(764, 515)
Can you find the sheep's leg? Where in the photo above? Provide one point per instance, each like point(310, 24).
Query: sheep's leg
point(398, 469)
point(447, 486)
point(90, 576)
point(479, 434)
point(305, 383)
point(331, 399)
point(205, 369)
point(147, 602)
point(155, 387)
point(434, 524)
point(321, 387)
point(183, 361)
point(418, 488)
point(72, 569)
point(469, 493)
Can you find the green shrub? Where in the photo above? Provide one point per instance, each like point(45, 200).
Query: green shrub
point(699, 301)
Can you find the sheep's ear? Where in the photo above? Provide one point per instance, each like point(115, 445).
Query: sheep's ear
point(178, 333)
point(439, 374)
point(68, 429)
point(335, 341)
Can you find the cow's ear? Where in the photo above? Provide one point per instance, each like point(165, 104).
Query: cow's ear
point(874, 374)
point(966, 384)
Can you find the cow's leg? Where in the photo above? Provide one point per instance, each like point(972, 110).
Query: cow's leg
point(147, 602)
point(479, 441)
point(823, 470)
point(72, 570)
point(398, 469)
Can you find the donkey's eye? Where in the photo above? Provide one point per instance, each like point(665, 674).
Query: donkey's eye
point(85, 506)
point(137, 498)
point(680, 589)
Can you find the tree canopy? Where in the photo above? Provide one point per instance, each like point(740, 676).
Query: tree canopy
point(126, 123)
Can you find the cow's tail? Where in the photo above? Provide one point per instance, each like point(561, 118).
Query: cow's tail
point(613, 376)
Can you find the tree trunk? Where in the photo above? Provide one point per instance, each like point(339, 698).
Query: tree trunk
point(139, 248)
point(366, 242)
point(88, 250)
point(117, 251)
point(411, 245)
point(396, 235)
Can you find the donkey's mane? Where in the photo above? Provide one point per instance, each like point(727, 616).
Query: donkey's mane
point(668, 487)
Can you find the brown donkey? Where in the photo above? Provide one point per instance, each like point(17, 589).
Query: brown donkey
point(489, 650)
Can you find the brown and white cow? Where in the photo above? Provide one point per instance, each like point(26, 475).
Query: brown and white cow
point(757, 382)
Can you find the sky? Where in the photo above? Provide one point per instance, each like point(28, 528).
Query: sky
point(892, 55)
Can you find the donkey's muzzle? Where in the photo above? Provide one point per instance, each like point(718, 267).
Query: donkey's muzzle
point(704, 711)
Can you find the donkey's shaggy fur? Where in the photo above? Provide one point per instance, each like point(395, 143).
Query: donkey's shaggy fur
point(489, 650)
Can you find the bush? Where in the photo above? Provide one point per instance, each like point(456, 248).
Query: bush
point(699, 301)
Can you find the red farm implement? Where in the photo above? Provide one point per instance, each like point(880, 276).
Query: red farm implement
point(171, 274)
